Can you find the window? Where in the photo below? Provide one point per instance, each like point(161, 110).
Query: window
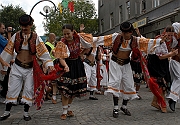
point(155, 3)
point(102, 26)
point(101, 3)
point(136, 7)
point(128, 9)
point(111, 20)
point(120, 14)
point(143, 6)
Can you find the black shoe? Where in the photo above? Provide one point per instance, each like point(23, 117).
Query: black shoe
point(172, 104)
point(27, 118)
point(93, 98)
point(115, 113)
point(4, 117)
point(139, 97)
point(126, 112)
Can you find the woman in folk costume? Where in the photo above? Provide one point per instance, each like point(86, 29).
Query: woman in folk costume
point(158, 67)
point(121, 83)
point(136, 68)
point(174, 69)
point(27, 45)
point(74, 83)
point(137, 72)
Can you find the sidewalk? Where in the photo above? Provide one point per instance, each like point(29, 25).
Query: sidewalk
point(96, 112)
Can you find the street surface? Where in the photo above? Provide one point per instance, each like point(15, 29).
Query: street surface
point(96, 112)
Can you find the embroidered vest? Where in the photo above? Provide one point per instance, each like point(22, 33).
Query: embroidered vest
point(118, 41)
point(31, 42)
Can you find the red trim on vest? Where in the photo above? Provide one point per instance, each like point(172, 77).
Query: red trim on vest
point(118, 41)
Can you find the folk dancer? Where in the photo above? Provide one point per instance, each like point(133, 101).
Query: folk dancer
point(121, 83)
point(90, 69)
point(103, 62)
point(73, 83)
point(174, 70)
point(136, 68)
point(26, 44)
point(158, 67)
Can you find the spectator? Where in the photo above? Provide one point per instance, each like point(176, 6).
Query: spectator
point(3, 43)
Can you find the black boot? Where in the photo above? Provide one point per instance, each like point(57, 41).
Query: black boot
point(27, 118)
point(26, 109)
point(126, 111)
point(172, 104)
point(92, 97)
point(5, 115)
point(115, 113)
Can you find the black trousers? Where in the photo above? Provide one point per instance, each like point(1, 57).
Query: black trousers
point(5, 84)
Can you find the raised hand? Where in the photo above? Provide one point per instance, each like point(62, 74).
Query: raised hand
point(82, 27)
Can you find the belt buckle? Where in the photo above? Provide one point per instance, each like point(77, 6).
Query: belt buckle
point(92, 64)
point(24, 64)
point(120, 61)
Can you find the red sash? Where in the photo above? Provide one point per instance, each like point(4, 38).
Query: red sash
point(40, 81)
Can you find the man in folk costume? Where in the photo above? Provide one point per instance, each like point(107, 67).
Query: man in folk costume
point(121, 82)
point(88, 57)
point(90, 69)
point(103, 70)
point(27, 45)
point(106, 58)
point(174, 69)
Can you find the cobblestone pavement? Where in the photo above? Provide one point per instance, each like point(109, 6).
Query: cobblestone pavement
point(96, 112)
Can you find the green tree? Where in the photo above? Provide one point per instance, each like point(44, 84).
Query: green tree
point(84, 13)
point(10, 16)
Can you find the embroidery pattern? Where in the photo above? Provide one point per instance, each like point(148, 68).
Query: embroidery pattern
point(125, 43)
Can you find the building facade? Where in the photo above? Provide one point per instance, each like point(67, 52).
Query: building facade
point(150, 16)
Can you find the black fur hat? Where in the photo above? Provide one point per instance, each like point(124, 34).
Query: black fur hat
point(126, 27)
point(25, 20)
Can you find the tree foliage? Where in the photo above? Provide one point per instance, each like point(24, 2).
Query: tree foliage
point(84, 13)
point(9, 15)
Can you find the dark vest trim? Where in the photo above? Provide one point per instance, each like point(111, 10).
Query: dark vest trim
point(31, 42)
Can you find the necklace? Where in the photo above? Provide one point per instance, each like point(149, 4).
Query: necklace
point(26, 37)
point(125, 43)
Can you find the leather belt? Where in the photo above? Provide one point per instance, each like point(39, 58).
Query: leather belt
point(89, 62)
point(120, 61)
point(24, 65)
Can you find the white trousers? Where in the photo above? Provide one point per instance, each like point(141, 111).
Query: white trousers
point(104, 74)
point(17, 77)
point(175, 77)
point(121, 83)
point(91, 77)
